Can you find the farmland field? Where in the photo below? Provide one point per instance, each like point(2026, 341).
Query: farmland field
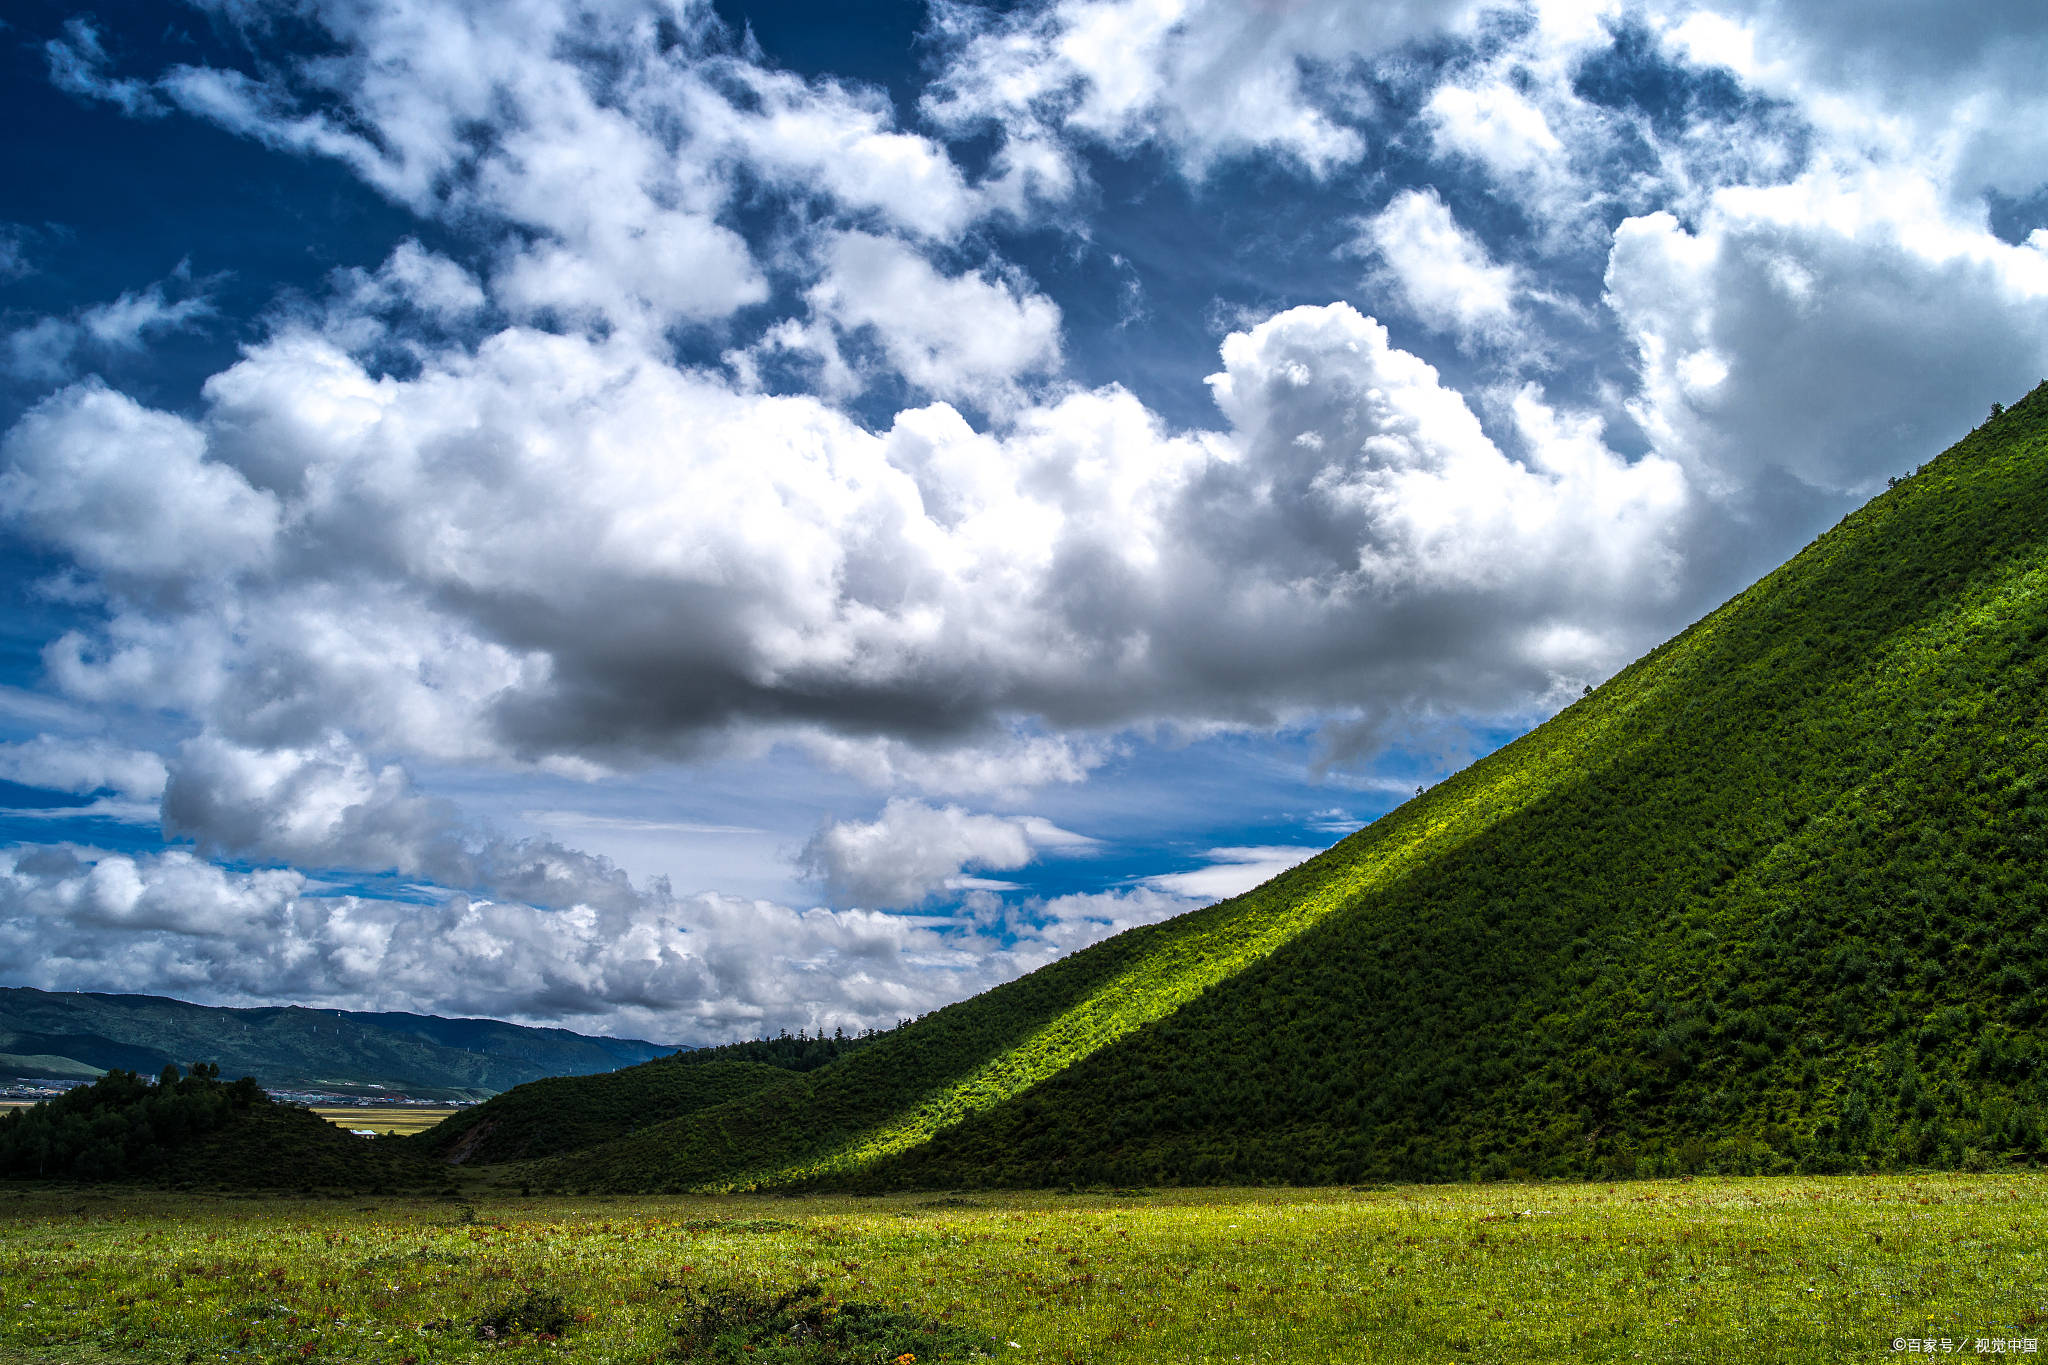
point(393, 1118)
point(1822, 1269)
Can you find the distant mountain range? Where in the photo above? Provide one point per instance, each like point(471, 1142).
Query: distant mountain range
point(78, 1035)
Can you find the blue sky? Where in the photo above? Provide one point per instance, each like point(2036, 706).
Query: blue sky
point(691, 519)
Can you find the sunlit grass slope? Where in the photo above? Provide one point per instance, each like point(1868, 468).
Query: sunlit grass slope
point(1766, 900)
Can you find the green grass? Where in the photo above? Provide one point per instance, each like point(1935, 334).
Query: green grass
point(1781, 1270)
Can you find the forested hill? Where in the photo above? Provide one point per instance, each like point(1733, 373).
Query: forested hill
point(83, 1034)
point(569, 1113)
point(1772, 898)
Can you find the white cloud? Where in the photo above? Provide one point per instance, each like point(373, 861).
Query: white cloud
point(1574, 162)
point(1441, 273)
point(1838, 328)
point(131, 319)
point(1006, 765)
point(330, 806)
point(115, 808)
point(839, 141)
point(14, 261)
point(913, 851)
point(38, 708)
point(325, 806)
point(1955, 85)
point(1231, 871)
point(484, 114)
point(962, 337)
point(608, 196)
point(83, 766)
point(1069, 923)
point(1206, 79)
point(572, 819)
point(415, 277)
point(128, 493)
point(688, 969)
point(1499, 126)
point(79, 65)
point(414, 561)
point(1337, 820)
point(47, 350)
point(41, 352)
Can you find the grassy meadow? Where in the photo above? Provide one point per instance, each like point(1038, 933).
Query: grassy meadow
point(1780, 1269)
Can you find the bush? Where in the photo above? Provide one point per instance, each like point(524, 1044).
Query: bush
point(802, 1327)
point(540, 1313)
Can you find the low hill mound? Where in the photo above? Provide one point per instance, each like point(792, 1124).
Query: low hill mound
point(195, 1130)
point(1770, 899)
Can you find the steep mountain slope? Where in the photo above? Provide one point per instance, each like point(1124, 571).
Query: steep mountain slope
point(294, 1047)
point(1772, 897)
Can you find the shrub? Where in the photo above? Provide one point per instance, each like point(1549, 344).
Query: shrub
point(538, 1312)
point(802, 1327)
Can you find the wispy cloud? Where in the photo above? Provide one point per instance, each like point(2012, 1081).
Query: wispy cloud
point(1231, 871)
point(572, 819)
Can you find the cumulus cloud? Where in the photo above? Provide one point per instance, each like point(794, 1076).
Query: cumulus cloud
point(330, 806)
point(913, 851)
point(83, 766)
point(1835, 329)
point(611, 196)
point(415, 562)
point(473, 112)
point(1954, 85)
point(687, 969)
point(1204, 79)
point(1440, 273)
point(129, 493)
point(1498, 126)
point(962, 337)
point(411, 277)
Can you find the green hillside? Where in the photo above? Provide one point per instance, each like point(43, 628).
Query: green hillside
point(80, 1033)
point(196, 1130)
point(566, 1114)
point(1770, 899)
